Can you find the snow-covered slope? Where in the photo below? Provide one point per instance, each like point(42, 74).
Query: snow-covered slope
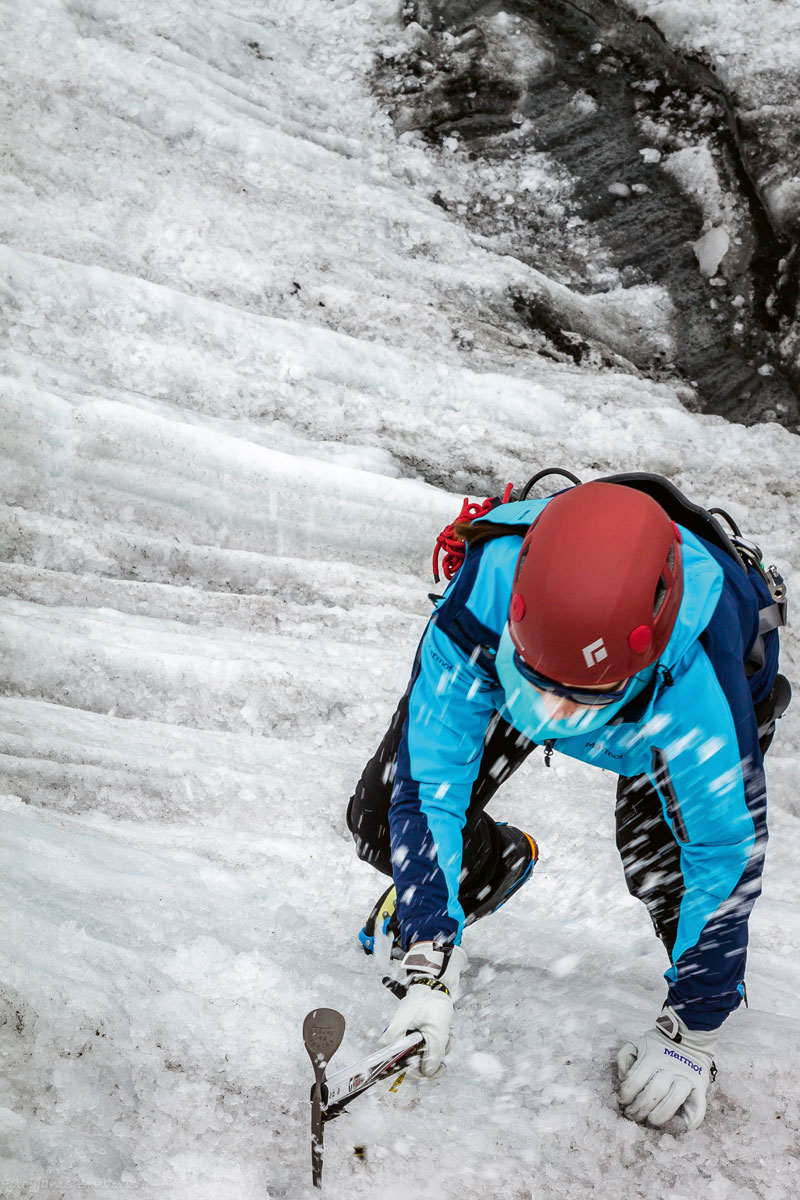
point(248, 368)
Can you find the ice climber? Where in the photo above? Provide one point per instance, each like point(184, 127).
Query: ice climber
point(617, 623)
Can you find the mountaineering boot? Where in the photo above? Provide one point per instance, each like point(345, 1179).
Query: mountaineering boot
point(519, 858)
point(382, 922)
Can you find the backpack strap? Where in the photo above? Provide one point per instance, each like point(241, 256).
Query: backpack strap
point(772, 617)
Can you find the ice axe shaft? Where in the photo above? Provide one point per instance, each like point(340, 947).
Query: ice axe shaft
point(341, 1087)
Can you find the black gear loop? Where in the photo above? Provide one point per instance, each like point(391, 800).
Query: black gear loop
point(541, 474)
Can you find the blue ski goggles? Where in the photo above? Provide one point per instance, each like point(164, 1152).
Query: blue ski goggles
point(583, 696)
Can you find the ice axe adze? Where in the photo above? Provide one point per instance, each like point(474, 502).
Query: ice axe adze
point(323, 1030)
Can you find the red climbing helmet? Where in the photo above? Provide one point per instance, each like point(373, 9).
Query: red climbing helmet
point(597, 586)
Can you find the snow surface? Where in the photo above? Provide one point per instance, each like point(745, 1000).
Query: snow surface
point(249, 367)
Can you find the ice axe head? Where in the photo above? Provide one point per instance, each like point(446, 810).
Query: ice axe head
point(323, 1030)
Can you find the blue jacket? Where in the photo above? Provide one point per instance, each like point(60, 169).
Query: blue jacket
point(688, 724)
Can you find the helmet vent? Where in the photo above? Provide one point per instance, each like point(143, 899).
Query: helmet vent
point(671, 558)
point(660, 596)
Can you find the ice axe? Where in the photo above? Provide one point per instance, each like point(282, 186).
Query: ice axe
point(323, 1030)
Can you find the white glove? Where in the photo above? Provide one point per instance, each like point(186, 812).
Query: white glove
point(668, 1070)
point(432, 977)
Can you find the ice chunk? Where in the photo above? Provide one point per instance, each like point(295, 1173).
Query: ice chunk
point(487, 1065)
point(14, 1136)
point(583, 104)
point(711, 248)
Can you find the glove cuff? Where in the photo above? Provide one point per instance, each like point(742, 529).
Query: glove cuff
point(440, 964)
point(671, 1026)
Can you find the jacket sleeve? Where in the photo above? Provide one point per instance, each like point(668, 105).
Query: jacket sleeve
point(453, 696)
point(451, 702)
point(710, 778)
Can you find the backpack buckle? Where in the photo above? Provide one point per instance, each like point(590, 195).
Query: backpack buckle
point(748, 551)
point(776, 585)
